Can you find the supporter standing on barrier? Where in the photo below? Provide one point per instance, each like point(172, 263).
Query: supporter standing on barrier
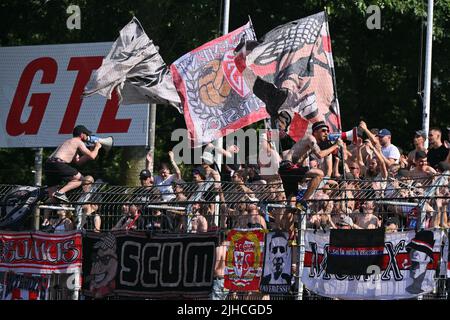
point(292, 169)
point(57, 166)
point(437, 151)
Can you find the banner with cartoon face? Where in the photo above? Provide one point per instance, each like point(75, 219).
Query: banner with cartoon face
point(244, 260)
point(408, 268)
point(277, 265)
point(130, 263)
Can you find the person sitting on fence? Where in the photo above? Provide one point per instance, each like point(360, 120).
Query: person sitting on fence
point(132, 219)
point(293, 170)
point(366, 219)
point(87, 213)
point(57, 167)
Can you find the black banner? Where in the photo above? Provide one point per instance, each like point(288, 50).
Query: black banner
point(130, 263)
point(351, 252)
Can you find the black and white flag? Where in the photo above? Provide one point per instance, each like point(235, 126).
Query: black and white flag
point(136, 70)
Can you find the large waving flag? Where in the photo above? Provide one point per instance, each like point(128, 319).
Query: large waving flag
point(136, 70)
point(215, 97)
point(297, 57)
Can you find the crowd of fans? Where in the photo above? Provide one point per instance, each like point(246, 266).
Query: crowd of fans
point(337, 184)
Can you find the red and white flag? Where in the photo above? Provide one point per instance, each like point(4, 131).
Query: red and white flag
point(215, 96)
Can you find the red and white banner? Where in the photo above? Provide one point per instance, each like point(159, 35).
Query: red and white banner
point(244, 260)
point(41, 98)
point(40, 252)
point(215, 97)
point(17, 286)
point(409, 265)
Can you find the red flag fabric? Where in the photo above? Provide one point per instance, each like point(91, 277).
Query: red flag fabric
point(215, 97)
point(297, 56)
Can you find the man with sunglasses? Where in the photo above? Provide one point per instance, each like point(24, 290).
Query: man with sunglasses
point(294, 167)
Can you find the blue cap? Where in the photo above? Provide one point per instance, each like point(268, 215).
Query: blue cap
point(384, 132)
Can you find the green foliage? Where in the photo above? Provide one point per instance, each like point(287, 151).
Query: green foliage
point(377, 71)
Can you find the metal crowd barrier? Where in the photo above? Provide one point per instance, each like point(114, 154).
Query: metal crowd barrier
point(269, 198)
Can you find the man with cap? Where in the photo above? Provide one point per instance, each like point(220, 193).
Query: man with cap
point(58, 168)
point(420, 251)
point(419, 145)
point(390, 152)
point(146, 178)
point(294, 166)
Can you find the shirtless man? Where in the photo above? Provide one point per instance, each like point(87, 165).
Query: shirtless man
point(293, 168)
point(421, 169)
point(58, 167)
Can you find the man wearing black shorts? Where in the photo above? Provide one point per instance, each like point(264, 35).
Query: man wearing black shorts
point(293, 168)
point(57, 167)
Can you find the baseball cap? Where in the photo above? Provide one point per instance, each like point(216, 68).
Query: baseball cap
point(79, 130)
point(384, 132)
point(145, 174)
point(421, 133)
point(319, 125)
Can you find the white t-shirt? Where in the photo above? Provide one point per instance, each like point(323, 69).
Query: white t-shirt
point(391, 152)
point(165, 187)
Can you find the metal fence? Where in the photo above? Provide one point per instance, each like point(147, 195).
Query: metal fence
point(227, 205)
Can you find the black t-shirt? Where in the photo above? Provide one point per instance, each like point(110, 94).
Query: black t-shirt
point(435, 156)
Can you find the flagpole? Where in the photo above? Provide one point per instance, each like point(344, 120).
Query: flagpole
point(427, 84)
point(219, 142)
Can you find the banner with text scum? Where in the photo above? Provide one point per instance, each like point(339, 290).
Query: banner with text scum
point(214, 95)
point(297, 56)
point(130, 263)
point(408, 267)
point(244, 260)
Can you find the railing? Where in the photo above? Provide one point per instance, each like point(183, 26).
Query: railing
point(398, 197)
